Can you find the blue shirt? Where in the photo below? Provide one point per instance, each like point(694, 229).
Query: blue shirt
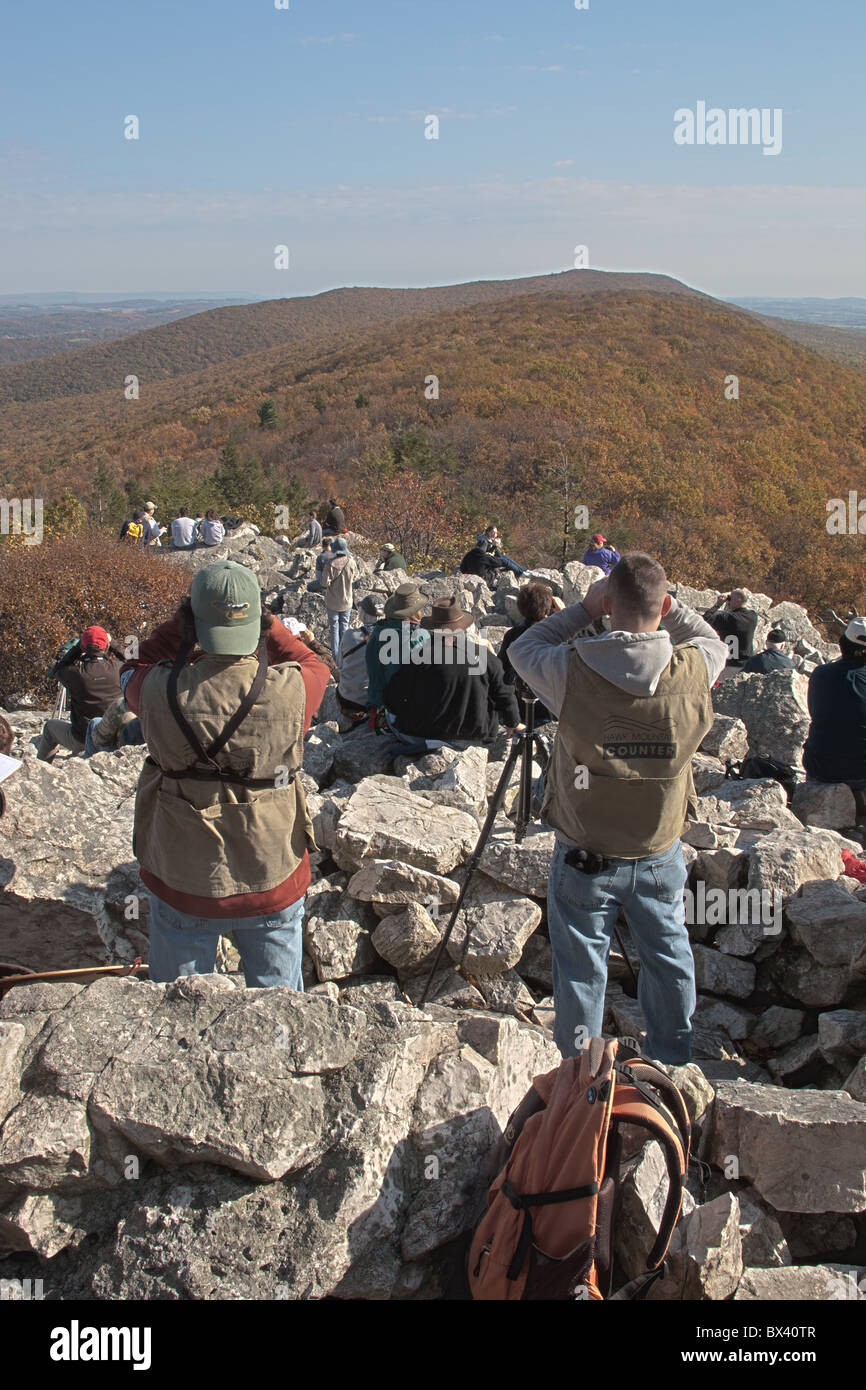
point(606, 557)
point(766, 661)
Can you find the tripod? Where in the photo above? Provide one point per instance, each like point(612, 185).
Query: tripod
point(521, 748)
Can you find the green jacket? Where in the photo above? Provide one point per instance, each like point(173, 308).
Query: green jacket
point(378, 673)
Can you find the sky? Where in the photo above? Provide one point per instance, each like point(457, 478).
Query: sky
point(305, 127)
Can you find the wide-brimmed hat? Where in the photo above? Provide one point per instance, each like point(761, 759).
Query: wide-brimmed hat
point(371, 607)
point(448, 613)
point(405, 601)
point(856, 631)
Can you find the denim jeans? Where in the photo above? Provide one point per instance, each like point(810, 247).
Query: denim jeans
point(581, 915)
point(338, 623)
point(270, 947)
point(512, 565)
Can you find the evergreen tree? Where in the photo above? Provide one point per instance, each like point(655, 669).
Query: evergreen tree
point(362, 401)
point(268, 417)
point(320, 403)
point(241, 482)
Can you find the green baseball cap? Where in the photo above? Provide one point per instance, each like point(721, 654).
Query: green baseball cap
point(227, 607)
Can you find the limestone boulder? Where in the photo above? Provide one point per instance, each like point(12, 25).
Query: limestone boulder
point(385, 819)
point(774, 710)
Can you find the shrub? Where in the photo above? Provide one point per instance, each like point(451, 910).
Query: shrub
point(53, 590)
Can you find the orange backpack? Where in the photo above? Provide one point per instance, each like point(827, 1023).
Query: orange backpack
point(551, 1211)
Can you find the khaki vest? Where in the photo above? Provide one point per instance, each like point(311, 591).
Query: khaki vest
point(216, 839)
point(638, 753)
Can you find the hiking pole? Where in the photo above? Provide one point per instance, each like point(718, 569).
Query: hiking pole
point(521, 747)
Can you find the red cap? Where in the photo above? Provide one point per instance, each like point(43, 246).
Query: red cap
point(598, 538)
point(94, 637)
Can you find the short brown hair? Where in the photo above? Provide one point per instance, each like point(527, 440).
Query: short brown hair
point(535, 601)
point(638, 584)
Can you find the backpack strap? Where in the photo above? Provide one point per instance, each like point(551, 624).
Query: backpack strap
point(525, 1201)
point(629, 1107)
point(209, 755)
point(643, 1074)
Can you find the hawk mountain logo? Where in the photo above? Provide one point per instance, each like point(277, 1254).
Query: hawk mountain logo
point(629, 738)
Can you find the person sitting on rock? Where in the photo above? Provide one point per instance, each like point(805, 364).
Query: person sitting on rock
point(337, 582)
point(394, 638)
point(454, 692)
point(601, 554)
point(335, 521)
point(133, 531)
point(480, 560)
point(772, 658)
point(735, 624)
point(633, 706)
point(183, 530)
point(90, 673)
point(353, 681)
point(534, 602)
point(211, 529)
point(152, 529)
point(489, 539)
point(225, 695)
point(313, 534)
point(835, 747)
point(389, 559)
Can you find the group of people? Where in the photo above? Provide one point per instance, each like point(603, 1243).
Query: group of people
point(625, 675)
point(186, 531)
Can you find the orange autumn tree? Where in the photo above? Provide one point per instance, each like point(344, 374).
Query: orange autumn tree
point(414, 514)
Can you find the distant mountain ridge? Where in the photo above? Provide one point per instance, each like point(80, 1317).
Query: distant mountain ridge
point(219, 335)
point(849, 312)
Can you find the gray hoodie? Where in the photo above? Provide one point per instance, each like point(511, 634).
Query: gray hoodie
point(633, 661)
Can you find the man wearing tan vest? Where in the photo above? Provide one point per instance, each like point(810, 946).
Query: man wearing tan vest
point(225, 695)
point(633, 706)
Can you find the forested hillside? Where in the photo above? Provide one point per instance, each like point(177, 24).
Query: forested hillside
point(614, 401)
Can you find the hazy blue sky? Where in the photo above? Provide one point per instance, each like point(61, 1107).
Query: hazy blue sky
point(306, 126)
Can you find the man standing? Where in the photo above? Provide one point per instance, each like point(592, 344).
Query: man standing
point(221, 825)
point(337, 581)
point(633, 706)
point(735, 624)
point(601, 554)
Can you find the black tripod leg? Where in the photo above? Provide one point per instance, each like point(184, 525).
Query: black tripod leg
point(472, 863)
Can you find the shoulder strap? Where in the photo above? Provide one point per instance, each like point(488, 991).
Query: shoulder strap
point(630, 1108)
point(237, 718)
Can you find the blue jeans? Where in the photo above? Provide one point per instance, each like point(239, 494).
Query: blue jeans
point(338, 623)
point(270, 947)
point(512, 565)
point(581, 915)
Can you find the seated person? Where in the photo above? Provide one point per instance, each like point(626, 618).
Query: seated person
point(772, 658)
point(493, 545)
point(735, 624)
point(534, 602)
point(118, 727)
point(394, 639)
point(313, 534)
point(335, 521)
point(211, 529)
point(479, 560)
point(601, 554)
point(835, 748)
point(389, 559)
point(454, 693)
point(183, 530)
point(352, 679)
point(90, 672)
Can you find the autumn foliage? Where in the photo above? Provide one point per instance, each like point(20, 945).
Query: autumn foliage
point(53, 590)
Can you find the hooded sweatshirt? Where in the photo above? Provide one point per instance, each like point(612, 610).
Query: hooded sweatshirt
point(633, 662)
point(337, 580)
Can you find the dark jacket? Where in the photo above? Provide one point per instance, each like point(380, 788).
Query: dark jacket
point(766, 661)
point(92, 685)
point(835, 749)
point(741, 624)
point(395, 561)
point(542, 713)
point(479, 561)
point(451, 699)
point(336, 520)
